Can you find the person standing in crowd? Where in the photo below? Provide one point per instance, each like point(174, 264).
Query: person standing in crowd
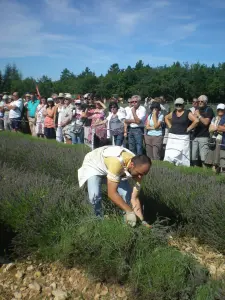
point(221, 128)
point(27, 98)
point(136, 119)
point(40, 118)
point(49, 125)
point(79, 117)
point(115, 124)
point(7, 123)
point(98, 128)
point(213, 157)
point(154, 137)
point(115, 165)
point(200, 147)
point(66, 120)
point(60, 107)
point(2, 111)
point(180, 122)
point(194, 105)
point(31, 110)
point(15, 112)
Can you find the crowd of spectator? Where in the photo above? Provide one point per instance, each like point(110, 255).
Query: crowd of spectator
point(183, 136)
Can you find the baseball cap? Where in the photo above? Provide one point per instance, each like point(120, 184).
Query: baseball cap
point(77, 101)
point(220, 106)
point(5, 97)
point(49, 100)
point(179, 101)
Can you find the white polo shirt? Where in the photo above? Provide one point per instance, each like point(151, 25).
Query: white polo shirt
point(16, 113)
point(141, 113)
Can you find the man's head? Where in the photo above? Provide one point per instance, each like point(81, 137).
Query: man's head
point(15, 96)
point(202, 101)
point(139, 166)
point(135, 101)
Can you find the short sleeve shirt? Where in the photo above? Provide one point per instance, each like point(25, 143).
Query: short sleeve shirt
point(116, 169)
point(141, 113)
point(201, 130)
point(158, 131)
point(16, 113)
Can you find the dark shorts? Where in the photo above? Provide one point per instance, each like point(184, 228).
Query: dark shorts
point(16, 123)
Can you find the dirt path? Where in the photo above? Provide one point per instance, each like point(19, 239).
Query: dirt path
point(41, 281)
point(32, 280)
point(214, 261)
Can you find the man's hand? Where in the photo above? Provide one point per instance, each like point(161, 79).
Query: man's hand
point(131, 218)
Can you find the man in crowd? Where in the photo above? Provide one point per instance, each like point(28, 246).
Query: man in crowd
point(15, 112)
point(135, 118)
point(200, 146)
point(58, 117)
point(115, 164)
point(31, 110)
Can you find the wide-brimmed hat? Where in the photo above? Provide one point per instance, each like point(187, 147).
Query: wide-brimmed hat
point(68, 96)
point(61, 95)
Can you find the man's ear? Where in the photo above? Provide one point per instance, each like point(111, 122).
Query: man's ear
point(131, 165)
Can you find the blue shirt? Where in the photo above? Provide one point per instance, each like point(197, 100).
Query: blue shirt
point(31, 107)
point(222, 123)
point(158, 131)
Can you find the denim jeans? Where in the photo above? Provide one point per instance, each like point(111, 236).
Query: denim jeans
point(94, 184)
point(78, 138)
point(135, 140)
point(118, 139)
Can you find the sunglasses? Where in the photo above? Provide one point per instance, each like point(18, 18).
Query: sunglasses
point(178, 105)
point(201, 101)
point(133, 102)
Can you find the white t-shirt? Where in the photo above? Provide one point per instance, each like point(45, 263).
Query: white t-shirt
point(16, 113)
point(141, 113)
point(127, 109)
point(60, 111)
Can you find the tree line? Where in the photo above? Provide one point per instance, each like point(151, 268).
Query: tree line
point(178, 80)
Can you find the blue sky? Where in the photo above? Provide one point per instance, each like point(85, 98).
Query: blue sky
point(44, 37)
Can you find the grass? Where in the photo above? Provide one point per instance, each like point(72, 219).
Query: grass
point(40, 200)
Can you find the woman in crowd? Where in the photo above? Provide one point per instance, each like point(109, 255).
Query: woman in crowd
point(180, 122)
point(79, 116)
point(49, 125)
point(154, 137)
point(66, 120)
point(213, 156)
point(40, 118)
point(97, 133)
point(115, 124)
point(58, 117)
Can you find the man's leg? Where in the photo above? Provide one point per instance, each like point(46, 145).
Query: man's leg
point(203, 149)
point(131, 141)
point(139, 140)
point(94, 184)
point(195, 152)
